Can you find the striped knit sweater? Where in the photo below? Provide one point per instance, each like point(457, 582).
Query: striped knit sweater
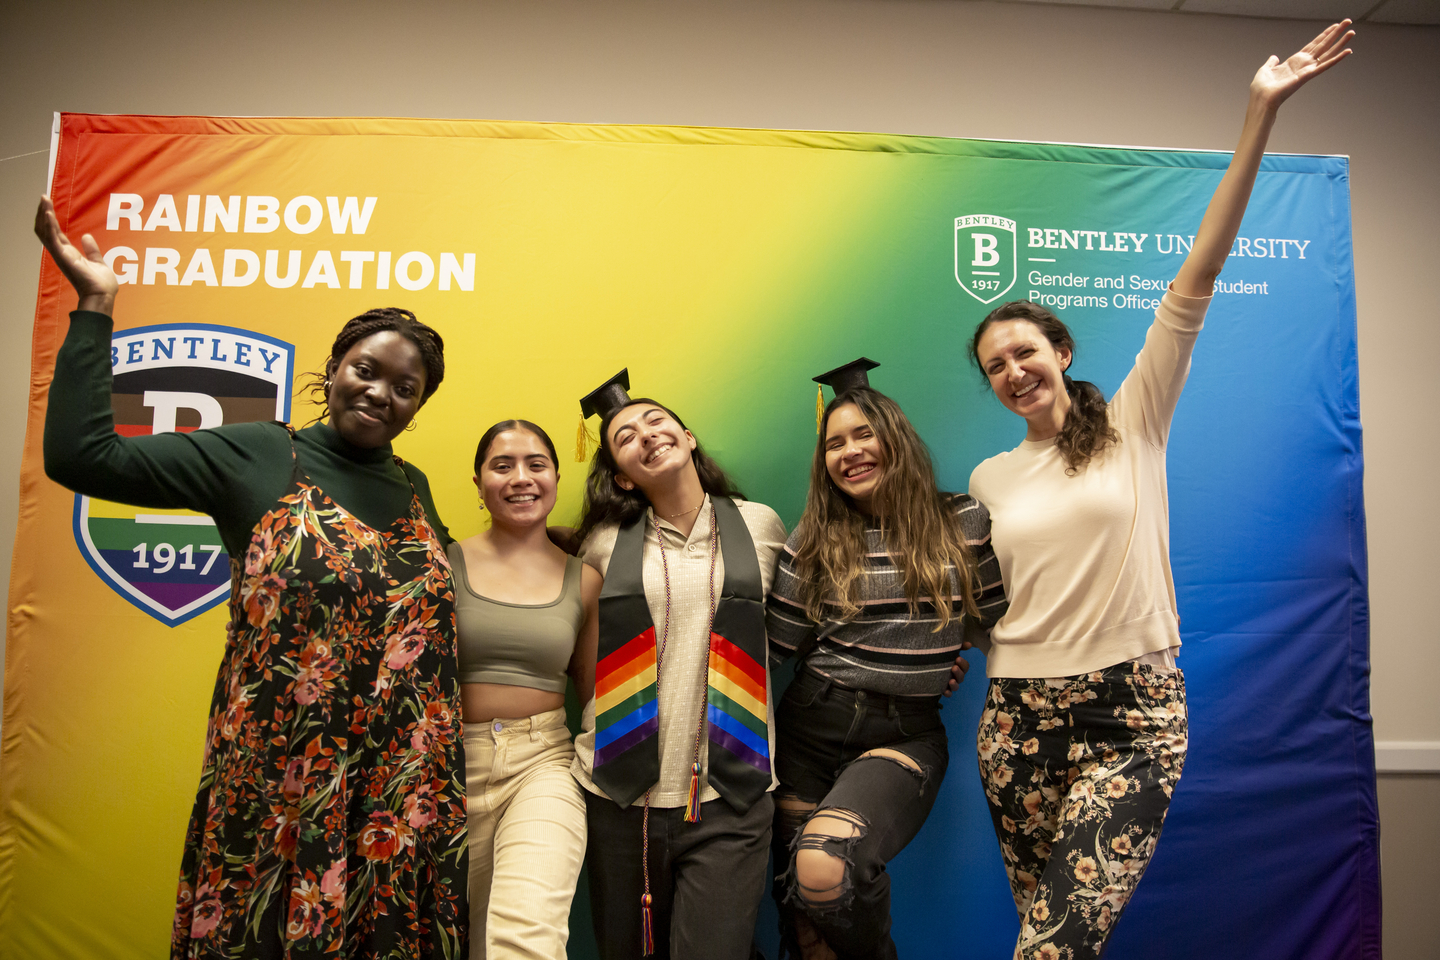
point(887, 649)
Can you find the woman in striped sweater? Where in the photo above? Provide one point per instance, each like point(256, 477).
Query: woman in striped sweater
point(871, 594)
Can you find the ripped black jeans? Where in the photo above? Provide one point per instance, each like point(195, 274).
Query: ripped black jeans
point(821, 731)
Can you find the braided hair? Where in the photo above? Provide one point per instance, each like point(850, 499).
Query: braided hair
point(403, 322)
point(1087, 430)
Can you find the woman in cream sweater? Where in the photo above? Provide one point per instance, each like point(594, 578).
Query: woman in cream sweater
point(1085, 727)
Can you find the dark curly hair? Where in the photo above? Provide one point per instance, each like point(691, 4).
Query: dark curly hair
point(1087, 430)
point(607, 501)
point(403, 322)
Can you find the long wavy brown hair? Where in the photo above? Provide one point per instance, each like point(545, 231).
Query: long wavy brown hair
point(1087, 430)
point(920, 529)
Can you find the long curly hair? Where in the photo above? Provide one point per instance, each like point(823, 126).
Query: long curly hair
point(403, 322)
point(1087, 430)
point(606, 501)
point(920, 530)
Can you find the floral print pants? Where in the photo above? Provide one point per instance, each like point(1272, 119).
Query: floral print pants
point(1079, 773)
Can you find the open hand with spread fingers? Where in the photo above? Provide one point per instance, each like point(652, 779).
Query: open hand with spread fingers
point(1273, 84)
point(1278, 79)
point(84, 267)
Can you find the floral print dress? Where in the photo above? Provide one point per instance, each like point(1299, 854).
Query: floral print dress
point(330, 818)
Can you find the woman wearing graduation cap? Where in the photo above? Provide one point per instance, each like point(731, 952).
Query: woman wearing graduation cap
point(871, 596)
point(1085, 730)
point(674, 752)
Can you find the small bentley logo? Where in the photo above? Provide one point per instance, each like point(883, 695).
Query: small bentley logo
point(176, 378)
point(985, 255)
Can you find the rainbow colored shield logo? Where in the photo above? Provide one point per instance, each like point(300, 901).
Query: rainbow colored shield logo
point(985, 260)
point(178, 378)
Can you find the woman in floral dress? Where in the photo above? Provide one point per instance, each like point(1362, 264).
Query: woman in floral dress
point(1085, 729)
point(330, 817)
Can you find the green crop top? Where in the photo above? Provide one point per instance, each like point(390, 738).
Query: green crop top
point(521, 644)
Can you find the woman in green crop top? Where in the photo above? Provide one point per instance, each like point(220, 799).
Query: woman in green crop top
point(527, 619)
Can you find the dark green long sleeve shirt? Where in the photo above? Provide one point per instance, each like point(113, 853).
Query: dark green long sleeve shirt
point(235, 473)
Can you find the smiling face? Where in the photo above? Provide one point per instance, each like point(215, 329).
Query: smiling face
point(854, 456)
point(1026, 372)
point(648, 446)
point(517, 479)
point(375, 389)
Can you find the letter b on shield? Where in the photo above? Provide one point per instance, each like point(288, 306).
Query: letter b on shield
point(178, 378)
point(985, 256)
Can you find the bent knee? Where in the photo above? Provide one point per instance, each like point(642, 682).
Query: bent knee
point(819, 876)
point(824, 853)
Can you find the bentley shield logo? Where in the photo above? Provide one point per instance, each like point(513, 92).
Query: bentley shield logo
point(985, 255)
point(177, 378)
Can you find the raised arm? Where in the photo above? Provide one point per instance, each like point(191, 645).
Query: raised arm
point(84, 267)
point(1272, 86)
point(208, 470)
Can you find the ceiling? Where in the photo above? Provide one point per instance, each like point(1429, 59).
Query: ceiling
point(1361, 11)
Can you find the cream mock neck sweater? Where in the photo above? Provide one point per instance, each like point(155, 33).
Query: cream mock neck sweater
point(1086, 559)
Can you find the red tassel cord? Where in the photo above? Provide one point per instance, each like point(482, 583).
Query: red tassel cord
point(647, 926)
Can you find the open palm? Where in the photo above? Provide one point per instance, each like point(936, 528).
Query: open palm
point(84, 267)
point(1278, 79)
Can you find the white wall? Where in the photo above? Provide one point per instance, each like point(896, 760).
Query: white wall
point(956, 68)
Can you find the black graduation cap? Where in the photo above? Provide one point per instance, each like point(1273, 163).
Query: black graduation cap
point(608, 398)
point(849, 376)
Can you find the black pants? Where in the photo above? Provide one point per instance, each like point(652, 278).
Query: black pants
point(821, 731)
point(706, 878)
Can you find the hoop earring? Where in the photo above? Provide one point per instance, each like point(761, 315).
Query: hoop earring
point(410, 426)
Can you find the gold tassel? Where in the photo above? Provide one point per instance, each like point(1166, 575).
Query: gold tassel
point(819, 409)
point(582, 442)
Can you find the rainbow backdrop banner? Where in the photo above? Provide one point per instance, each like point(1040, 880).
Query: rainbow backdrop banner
point(725, 268)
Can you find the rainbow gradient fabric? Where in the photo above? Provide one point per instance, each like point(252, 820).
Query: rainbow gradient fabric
point(724, 268)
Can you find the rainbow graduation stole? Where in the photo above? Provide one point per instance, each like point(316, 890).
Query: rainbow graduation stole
point(627, 722)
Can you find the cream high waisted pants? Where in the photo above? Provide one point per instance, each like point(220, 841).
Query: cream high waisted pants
point(527, 836)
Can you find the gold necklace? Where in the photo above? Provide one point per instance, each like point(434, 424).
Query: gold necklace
point(686, 513)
